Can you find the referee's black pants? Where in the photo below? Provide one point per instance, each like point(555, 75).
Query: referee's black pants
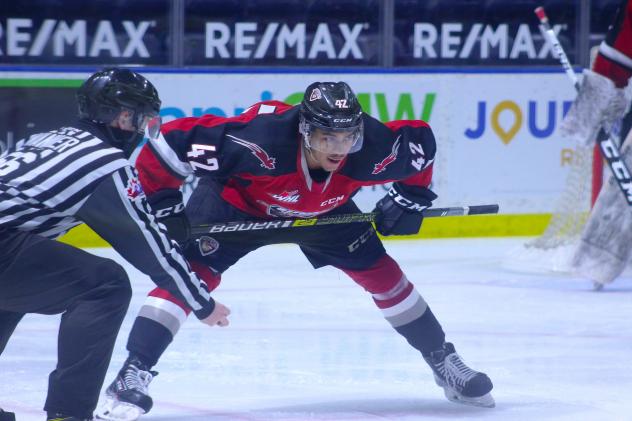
point(38, 275)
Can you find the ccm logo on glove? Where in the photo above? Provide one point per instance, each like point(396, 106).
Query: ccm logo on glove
point(399, 212)
point(169, 211)
point(408, 204)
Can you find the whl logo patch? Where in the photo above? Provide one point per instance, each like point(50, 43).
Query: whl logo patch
point(287, 196)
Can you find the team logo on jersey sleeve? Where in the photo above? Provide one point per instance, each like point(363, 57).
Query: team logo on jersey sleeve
point(134, 189)
point(267, 161)
point(381, 166)
point(207, 245)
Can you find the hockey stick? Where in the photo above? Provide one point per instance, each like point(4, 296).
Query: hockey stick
point(265, 224)
point(607, 144)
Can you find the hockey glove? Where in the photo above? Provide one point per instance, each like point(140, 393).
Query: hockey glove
point(598, 103)
point(400, 211)
point(168, 206)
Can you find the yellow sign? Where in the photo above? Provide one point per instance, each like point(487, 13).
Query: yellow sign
point(506, 135)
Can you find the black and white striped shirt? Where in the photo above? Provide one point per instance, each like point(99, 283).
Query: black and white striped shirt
point(56, 180)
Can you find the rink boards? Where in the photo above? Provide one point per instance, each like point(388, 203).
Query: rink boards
point(497, 131)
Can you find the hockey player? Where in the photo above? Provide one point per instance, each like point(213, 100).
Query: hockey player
point(277, 160)
point(606, 240)
point(80, 173)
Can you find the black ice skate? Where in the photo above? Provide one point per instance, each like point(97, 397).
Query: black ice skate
point(127, 397)
point(459, 382)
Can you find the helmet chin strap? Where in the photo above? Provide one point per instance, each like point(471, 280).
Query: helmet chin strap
point(308, 150)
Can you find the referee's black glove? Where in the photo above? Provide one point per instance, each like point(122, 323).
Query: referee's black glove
point(399, 212)
point(168, 206)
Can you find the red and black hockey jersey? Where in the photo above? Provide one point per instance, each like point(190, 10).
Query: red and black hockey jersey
point(258, 158)
point(615, 53)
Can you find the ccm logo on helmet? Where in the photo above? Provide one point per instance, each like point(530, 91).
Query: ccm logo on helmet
point(342, 120)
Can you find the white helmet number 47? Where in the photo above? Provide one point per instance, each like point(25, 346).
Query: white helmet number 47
point(341, 103)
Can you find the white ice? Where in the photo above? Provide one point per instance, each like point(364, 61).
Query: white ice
point(308, 344)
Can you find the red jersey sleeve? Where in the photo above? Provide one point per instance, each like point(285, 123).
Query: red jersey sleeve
point(418, 149)
point(154, 174)
point(614, 59)
point(193, 145)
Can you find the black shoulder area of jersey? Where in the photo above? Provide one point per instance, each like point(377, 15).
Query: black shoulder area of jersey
point(388, 151)
point(265, 145)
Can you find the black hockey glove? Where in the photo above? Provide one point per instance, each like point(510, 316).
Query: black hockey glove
point(168, 206)
point(399, 212)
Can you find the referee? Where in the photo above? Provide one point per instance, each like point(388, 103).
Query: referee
point(78, 174)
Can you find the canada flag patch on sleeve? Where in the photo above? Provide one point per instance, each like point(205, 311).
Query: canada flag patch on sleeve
point(134, 189)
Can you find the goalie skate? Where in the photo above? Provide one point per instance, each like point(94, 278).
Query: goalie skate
point(460, 383)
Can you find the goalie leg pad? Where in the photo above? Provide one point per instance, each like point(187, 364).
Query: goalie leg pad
point(597, 264)
point(606, 241)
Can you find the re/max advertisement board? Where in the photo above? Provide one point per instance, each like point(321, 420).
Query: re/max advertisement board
point(346, 33)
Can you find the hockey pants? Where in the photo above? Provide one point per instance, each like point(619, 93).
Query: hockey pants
point(38, 275)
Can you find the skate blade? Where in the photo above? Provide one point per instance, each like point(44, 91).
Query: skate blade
point(114, 410)
point(485, 401)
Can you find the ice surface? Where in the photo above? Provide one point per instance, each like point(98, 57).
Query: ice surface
point(309, 344)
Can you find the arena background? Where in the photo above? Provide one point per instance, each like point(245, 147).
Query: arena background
point(478, 71)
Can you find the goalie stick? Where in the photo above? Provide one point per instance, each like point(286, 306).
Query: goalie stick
point(265, 224)
point(607, 144)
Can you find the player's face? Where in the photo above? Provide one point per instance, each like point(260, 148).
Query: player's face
point(334, 142)
point(328, 162)
point(146, 122)
point(124, 121)
point(330, 148)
